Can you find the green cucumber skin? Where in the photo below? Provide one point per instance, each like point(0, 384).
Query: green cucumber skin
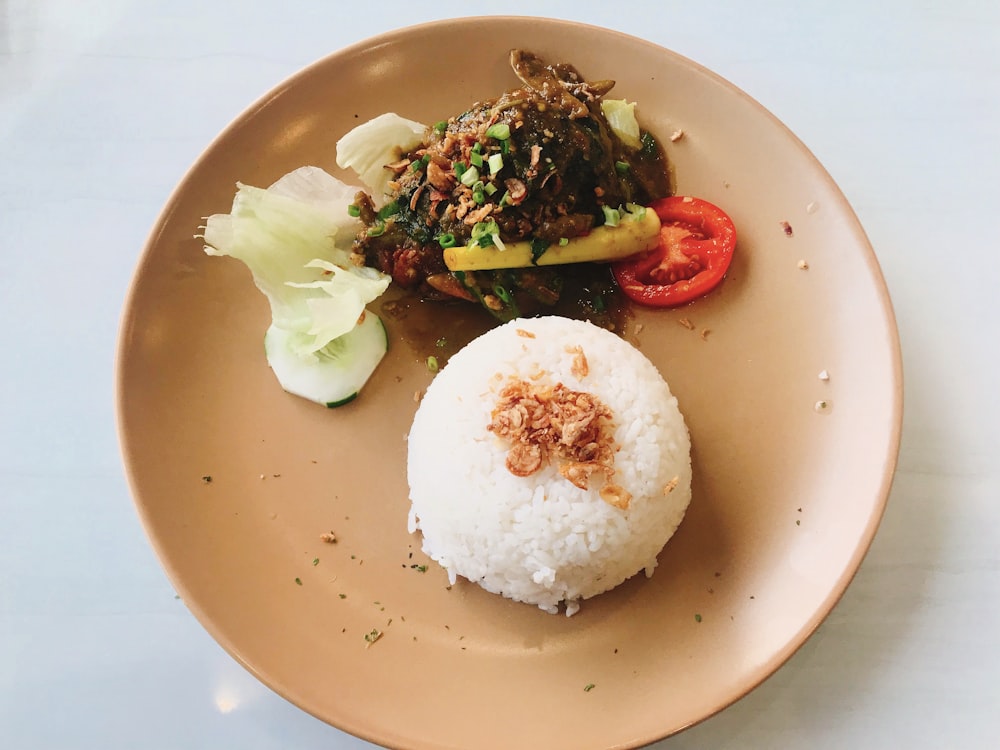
point(342, 402)
point(291, 378)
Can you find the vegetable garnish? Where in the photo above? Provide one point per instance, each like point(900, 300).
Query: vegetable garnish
point(296, 237)
point(369, 147)
point(632, 232)
point(696, 245)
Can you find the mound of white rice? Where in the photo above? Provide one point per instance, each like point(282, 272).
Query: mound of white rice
point(540, 538)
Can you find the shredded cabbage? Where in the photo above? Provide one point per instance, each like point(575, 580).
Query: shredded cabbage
point(295, 238)
point(620, 115)
point(370, 146)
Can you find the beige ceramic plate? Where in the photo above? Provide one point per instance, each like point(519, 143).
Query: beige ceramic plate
point(786, 498)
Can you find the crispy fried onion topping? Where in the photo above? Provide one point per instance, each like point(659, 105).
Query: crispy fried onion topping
point(546, 423)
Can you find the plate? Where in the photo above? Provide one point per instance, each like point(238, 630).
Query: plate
point(789, 378)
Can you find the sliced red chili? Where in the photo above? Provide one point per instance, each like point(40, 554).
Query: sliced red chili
point(697, 240)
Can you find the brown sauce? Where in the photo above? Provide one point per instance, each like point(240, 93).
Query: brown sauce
point(432, 328)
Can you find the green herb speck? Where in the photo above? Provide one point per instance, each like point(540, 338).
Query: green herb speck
point(697, 618)
point(207, 479)
point(298, 581)
point(315, 561)
point(588, 687)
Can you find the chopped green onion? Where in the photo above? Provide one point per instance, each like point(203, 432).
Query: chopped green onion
point(478, 196)
point(377, 230)
point(476, 159)
point(499, 130)
point(432, 363)
point(483, 228)
point(501, 292)
point(638, 211)
point(622, 167)
point(469, 177)
point(598, 302)
point(486, 234)
point(563, 241)
point(441, 343)
point(505, 147)
point(441, 126)
point(477, 147)
point(611, 216)
point(496, 163)
point(354, 210)
point(490, 188)
point(459, 168)
point(446, 240)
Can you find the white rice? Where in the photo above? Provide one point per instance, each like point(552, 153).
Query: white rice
point(540, 539)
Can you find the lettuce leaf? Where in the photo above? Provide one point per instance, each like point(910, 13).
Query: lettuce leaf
point(295, 238)
point(370, 146)
point(620, 115)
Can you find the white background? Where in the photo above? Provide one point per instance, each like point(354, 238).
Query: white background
point(103, 107)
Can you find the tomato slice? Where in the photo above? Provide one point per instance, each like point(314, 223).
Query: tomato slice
point(697, 240)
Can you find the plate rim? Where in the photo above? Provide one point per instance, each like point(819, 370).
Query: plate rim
point(889, 461)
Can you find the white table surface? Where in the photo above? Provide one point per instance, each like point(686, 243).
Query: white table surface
point(105, 104)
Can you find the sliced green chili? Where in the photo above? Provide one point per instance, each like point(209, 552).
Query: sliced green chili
point(389, 209)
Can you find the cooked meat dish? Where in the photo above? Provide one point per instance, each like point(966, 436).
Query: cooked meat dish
point(539, 163)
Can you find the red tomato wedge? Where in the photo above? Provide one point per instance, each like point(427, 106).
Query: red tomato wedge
point(697, 240)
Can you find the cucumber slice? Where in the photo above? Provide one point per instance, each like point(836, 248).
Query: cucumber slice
point(335, 375)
